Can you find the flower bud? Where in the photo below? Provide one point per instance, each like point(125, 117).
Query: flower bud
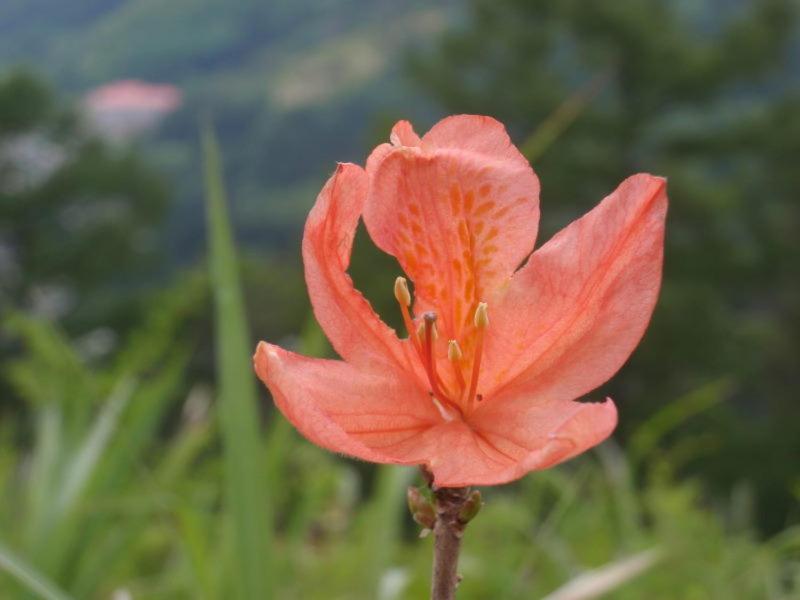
point(421, 508)
point(470, 508)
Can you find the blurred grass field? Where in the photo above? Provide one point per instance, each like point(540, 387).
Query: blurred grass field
point(117, 484)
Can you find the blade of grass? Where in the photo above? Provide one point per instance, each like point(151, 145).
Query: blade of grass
point(647, 436)
point(599, 582)
point(382, 518)
point(80, 469)
point(245, 481)
point(18, 568)
point(43, 475)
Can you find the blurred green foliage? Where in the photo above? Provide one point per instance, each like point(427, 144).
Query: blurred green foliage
point(708, 95)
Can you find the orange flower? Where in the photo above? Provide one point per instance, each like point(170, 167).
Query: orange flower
point(482, 391)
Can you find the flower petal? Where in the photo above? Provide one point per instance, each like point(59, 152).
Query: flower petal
point(532, 436)
point(342, 408)
point(353, 328)
point(479, 135)
point(572, 316)
point(505, 440)
point(380, 418)
point(459, 213)
point(402, 135)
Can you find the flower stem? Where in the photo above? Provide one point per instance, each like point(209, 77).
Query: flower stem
point(447, 532)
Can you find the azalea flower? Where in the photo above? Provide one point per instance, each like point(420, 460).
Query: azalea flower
point(500, 342)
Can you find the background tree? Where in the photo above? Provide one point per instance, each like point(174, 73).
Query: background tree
point(78, 218)
point(705, 94)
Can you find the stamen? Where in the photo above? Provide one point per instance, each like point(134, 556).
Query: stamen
point(454, 355)
point(403, 297)
point(481, 321)
point(422, 338)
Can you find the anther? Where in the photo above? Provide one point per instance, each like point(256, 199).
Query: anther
point(401, 291)
point(454, 353)
point(403, 297)
point(481, 319)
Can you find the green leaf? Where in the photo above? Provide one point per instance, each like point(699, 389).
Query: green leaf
point(17, 567)
point(247, 502)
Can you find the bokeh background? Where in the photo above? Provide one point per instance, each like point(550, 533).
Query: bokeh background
point(138, 458)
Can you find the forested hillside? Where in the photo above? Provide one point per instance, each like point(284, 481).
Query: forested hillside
point(291, 86)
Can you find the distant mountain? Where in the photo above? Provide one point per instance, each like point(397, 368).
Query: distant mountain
point(291, 85)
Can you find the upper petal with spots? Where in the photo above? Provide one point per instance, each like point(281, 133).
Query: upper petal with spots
point(459, 219)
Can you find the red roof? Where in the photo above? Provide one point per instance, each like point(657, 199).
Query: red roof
point(134, 95)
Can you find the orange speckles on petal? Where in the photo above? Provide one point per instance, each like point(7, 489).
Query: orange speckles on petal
point(416, 228)
point(484, 190)
point(455, 198)
point(463, 233)
point(484, 208)
point(456, 264)
point(469, 287)
point(491, 234)
point(501, 212)
point(420, 249)
point(469, 200)
point(414, 210)
point(478, 228)
point(489, 250)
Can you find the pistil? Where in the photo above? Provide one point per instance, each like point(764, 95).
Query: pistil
point(429, 319)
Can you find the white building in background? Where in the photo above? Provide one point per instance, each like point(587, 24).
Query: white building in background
point(123, 109)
